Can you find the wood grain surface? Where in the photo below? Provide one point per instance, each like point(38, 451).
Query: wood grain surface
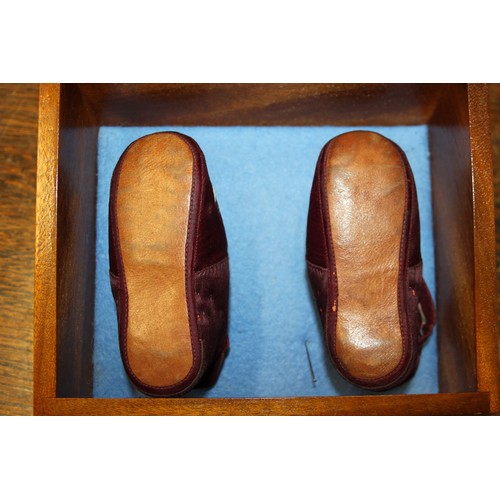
point(469, 403)
point(261, 104)
point(495, 126)
point(18, 141)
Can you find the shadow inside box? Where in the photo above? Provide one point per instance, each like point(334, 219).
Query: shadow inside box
point(262, 177)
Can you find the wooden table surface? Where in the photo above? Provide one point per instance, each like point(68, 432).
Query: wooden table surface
point(18, 140)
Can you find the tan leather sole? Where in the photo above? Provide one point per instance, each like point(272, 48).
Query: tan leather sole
point(153, 201)
point(366, 190)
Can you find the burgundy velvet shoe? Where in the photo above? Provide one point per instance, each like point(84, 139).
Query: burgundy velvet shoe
point(364, 262)
point(169, 266)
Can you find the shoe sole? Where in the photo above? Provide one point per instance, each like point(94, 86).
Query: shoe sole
point(152, 213)
point(366, 193)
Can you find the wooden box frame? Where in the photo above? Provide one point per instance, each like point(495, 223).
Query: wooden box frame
point(463, 205)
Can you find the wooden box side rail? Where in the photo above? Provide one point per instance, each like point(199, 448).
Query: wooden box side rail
point(76, 204)
point(484, 243)
point(452, 202)
point(45, 321)
point(471, 403)
point(262, 104)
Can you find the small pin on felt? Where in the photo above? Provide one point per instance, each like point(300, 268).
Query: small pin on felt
point(313, 376)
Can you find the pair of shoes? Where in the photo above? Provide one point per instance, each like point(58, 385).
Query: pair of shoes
point(169, 266)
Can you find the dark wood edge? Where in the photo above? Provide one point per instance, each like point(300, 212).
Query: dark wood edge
point(76, 237)
point(452, 204)
point(44, 341)
point(484, 242)
point(232, 104)
point(468, 403)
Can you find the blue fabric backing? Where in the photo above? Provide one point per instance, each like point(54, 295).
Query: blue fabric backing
point(262, 177)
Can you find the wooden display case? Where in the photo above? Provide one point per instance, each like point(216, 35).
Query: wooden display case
point(464, 231)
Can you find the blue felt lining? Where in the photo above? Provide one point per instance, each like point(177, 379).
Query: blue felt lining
point(262, 177)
